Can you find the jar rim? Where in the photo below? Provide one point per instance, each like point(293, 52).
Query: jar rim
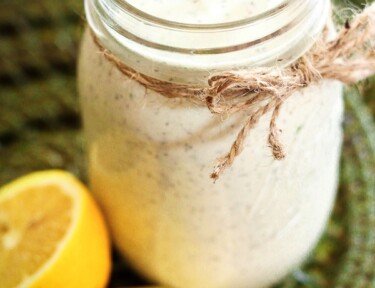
point(129, 8)
point(275, 38)
point(119, 19)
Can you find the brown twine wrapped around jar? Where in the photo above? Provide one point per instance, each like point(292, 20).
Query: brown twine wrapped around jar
point(349, 58)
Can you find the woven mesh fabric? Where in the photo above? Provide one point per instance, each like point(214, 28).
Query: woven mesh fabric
point(38, 48)
point(40, 129)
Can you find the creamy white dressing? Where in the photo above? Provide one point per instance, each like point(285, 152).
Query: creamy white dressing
point(150, 158)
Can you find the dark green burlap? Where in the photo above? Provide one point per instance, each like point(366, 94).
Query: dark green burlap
point(40, 129)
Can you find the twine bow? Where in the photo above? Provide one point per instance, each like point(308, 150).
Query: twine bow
point(349, 58)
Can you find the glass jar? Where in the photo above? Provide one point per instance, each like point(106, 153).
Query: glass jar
point(150, 157)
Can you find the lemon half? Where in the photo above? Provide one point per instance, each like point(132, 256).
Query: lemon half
point(52, 234)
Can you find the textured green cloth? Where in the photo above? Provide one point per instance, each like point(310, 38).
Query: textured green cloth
point(40, 129)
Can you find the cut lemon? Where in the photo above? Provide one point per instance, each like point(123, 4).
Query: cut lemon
point(51, 234)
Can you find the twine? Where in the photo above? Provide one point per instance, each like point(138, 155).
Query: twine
point(349, 58)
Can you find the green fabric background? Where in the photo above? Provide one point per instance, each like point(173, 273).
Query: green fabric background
point(40, 129)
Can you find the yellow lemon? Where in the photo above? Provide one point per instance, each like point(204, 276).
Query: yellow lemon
point(52, 234)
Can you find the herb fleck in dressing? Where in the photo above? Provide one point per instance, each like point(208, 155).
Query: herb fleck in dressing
point(150, 159)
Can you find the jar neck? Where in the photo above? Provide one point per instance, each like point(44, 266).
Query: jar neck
point(275, 37)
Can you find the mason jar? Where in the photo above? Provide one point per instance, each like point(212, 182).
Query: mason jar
point(150, 156)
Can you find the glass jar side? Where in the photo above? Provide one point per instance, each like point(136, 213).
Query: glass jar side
point(149, 160)
point(150, 157)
